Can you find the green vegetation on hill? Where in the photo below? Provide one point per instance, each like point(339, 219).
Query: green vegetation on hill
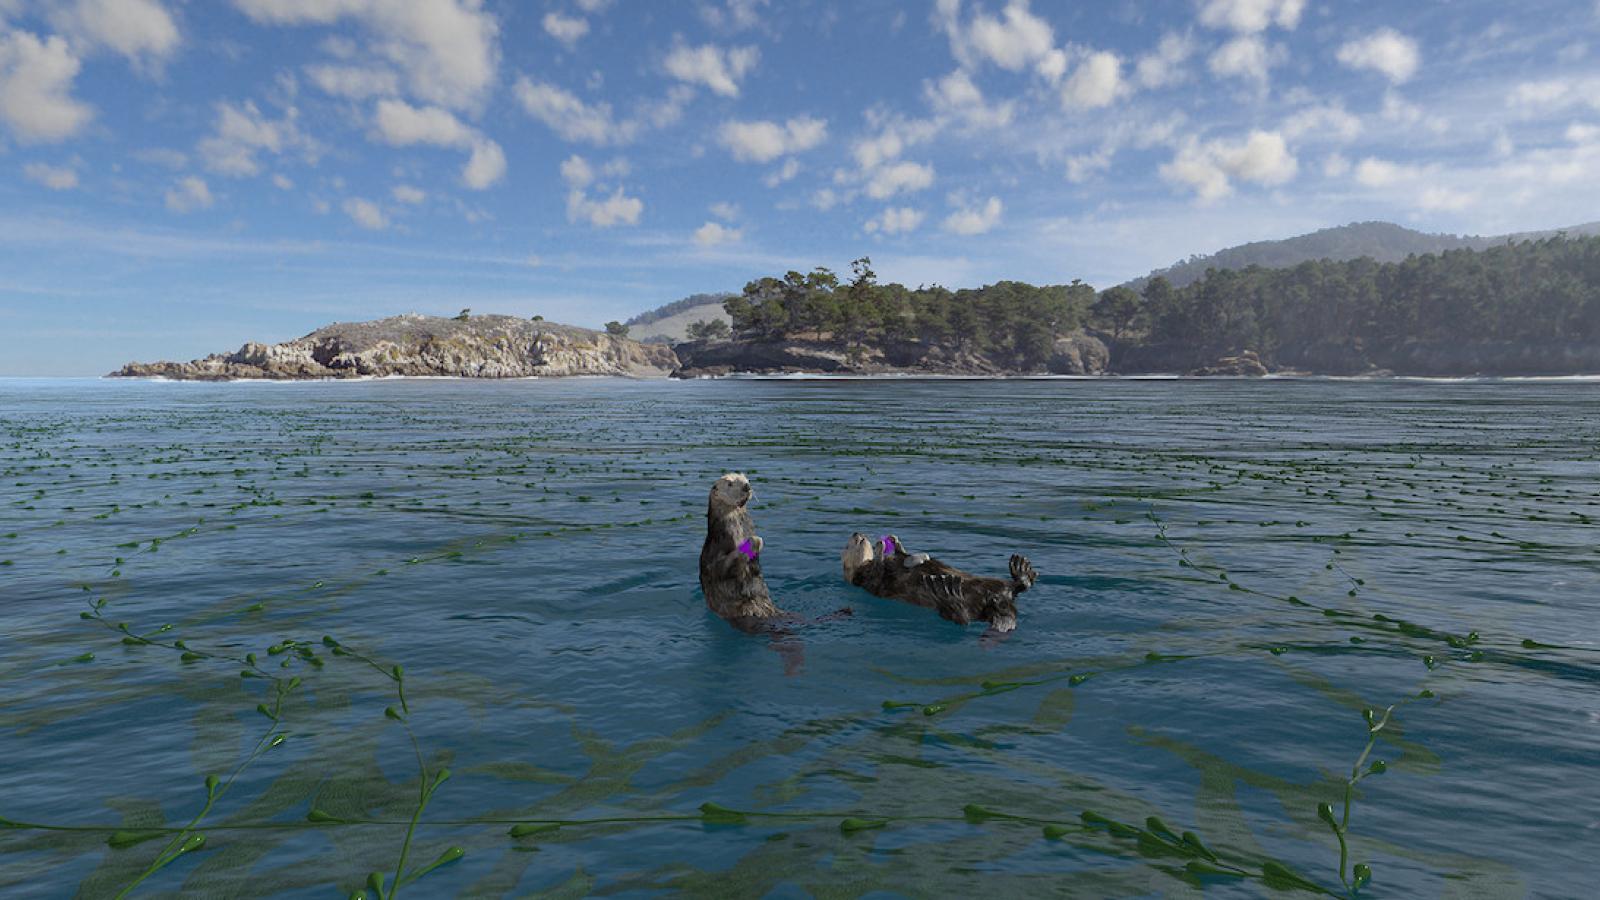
point(677, 306)
point(1009, 321)
point(1380, 241)
point(1523, 308)
point(1424, 313)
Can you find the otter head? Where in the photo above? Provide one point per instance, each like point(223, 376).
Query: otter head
point(731, 492)
point(856, 554)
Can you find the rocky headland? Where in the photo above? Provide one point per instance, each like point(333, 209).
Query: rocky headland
point(486, 346)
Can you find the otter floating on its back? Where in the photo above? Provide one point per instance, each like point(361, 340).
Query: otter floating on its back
point(918, 579)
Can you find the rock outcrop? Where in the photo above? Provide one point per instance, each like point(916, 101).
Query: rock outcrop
point(478, 347)
point(1243, 365)
point(1077, 354)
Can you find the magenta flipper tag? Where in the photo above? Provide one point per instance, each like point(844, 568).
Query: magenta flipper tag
point(889, 546)
point(748, 548)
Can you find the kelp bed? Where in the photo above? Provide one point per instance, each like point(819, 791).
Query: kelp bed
point(444, 639)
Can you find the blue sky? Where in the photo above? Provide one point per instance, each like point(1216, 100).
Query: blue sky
point(179, 176)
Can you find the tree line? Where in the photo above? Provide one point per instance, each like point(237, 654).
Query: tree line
point(1009, 321)
point(1534, 292)
point(1309, 315)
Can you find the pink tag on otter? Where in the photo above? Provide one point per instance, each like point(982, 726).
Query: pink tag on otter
point(889, 546)
point(748, 548)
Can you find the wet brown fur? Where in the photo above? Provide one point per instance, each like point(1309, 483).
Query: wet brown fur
point(957, 596)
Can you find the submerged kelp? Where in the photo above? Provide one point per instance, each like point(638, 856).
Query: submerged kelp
point(311, 640)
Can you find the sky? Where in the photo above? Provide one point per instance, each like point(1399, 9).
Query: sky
point(180, 176)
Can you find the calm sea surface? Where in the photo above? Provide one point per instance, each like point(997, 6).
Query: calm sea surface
point(222, 579)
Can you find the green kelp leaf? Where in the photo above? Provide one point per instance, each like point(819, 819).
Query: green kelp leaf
point(899, 704)
point(853, 824)
point(1278, 875)
point(1192, 840)
point(450, 855)
point(717, 814)
point(933, 709)
point(1057, 832)
point(976, 814)
point(1363, 874)
point(130, 837)
point(1207, 870)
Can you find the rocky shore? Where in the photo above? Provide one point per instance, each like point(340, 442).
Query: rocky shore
point(1076, 354)
point(477, 347)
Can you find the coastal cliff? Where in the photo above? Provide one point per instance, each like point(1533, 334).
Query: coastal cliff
point(477, 347)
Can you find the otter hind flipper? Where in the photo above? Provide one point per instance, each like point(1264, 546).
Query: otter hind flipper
point(1022, 574)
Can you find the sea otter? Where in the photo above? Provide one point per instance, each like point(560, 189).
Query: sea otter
point(730, 560)
point(917, 578)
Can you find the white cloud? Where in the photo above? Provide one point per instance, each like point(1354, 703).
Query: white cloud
point(1330, 120)
point(725, 211)
point(898, 178)
point(1445, 199)
point(1164, 65)
point(1097, 82)
point(1083, 166)
point(566, 29)
point(1556, 93)
point(1014, 41)
point(405, 193)
point(734, 15)
point(282, 182)
point(141, 30)
point(895, 220)
point(485, 167)
point(712, 234)
point(189, 194)
point(354, 82)
point(1209, 169)
point(825, 199)
point(241, 132)
point(617, 209)
point(36, 78)
point(400, 124)
point(365, 213)
point(1246, 56)
point(956, 95)
point(56, 178)
point(448, 49)
point(577, 172)
point(975, 220)
point(714, 67)
point(1580, 133)
point(1385, 51)
point(1335, 165)
point(765, 141)
point(786, 172)
point(1251, 16)
point(1374, 172)
point(570, 117)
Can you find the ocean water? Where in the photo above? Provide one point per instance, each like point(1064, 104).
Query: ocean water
point(221, 579)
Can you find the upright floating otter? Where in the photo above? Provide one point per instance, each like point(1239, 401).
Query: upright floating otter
point(730, 560)
point(919, 579)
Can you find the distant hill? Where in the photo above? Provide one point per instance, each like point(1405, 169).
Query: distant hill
point(670, 323)
point(1381, 241)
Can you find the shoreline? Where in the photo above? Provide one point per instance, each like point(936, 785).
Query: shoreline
point(1576, 378)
